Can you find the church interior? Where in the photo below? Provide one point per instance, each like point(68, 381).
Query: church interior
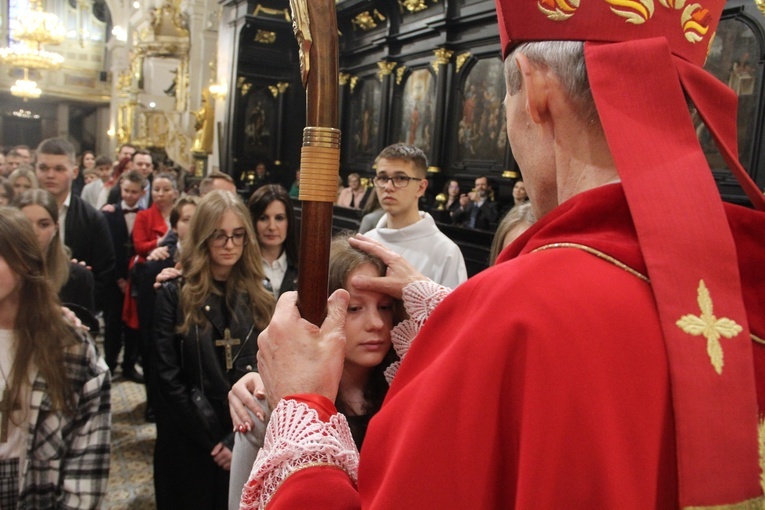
point(208, 84)
point(215, 85)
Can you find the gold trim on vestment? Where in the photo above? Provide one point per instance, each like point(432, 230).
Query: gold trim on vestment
point(597, 253)
point(757, 339)
point(749, 504)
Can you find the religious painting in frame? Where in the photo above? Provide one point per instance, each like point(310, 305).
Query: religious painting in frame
point(417, 110)
point(733, 60)
point(365, 119)
point(260, 124)
point(481, 132)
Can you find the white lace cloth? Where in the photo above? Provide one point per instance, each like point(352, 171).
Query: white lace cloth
point(296, 438)
point(420, 299)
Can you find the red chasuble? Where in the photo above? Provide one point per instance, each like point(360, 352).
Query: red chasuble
point(540, 383)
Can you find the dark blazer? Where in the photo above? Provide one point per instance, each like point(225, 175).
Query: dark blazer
point(122, 241)
point(486, 216)
point(79, 289)
point(87, 235)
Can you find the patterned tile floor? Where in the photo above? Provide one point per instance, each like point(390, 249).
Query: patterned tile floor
point(131, 483)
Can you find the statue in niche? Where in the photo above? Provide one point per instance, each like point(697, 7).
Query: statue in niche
point(205, 120)
point(170, 91)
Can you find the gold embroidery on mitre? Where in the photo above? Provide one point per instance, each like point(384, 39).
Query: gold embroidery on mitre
point(672, 4)
point(558, 10)
point(635, 12)
point(695, 21)
point(709, 326)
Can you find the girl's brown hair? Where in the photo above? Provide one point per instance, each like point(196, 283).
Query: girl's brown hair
point(343, 260)
point(56, 256)
point(40, 333)
point(246, 276)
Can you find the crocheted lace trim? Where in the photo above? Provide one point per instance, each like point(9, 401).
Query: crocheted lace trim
point(420, 299)
point(296, 439)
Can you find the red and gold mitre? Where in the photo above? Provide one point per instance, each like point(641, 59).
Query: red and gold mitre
point(644, 60)
point(687, 25)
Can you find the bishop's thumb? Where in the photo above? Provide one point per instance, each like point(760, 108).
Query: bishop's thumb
point(337, 309)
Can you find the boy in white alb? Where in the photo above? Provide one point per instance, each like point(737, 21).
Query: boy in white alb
point(400, 182)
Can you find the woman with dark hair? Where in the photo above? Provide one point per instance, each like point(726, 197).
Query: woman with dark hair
point(206, 329)
point(452, 194)
point(54, 450)
point(368, 354)
point(274, 221)
point(86, 161)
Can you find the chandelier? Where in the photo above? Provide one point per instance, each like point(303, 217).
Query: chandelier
point(26, 88)
point(35, 29)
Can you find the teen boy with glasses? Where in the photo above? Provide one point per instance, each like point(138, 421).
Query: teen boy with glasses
point(399, 183)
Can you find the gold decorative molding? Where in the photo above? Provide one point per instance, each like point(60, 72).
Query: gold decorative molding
point(386, 68)
point(265, 37)
point(366, 20)
point(413, 5)
point(354, 81)
point(510, 174)
point(342, 78)
point(243, 85)
point(279, 88)
point(400, 74)
point(434, 170)
point(461, 59)
point(279, 13)
point(169, 20)
point(443, 56)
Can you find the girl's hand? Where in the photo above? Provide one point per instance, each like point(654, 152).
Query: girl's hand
point(242, 397)
point(222, 456)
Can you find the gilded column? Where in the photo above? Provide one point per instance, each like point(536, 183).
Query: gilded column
point(385, 75)
point(444, 76)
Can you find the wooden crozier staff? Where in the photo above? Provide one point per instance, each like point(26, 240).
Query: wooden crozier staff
point(315, 26)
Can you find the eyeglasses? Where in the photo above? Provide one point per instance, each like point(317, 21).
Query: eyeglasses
point(220, 239)
point(399, 181)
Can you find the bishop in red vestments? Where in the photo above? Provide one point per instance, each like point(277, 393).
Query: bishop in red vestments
point(628, 369)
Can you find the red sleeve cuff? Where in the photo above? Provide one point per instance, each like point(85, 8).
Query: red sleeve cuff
point(318, 403)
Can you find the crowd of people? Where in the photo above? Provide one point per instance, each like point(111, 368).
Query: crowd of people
point(630, 374)
point(475, 209)
point(106, 246)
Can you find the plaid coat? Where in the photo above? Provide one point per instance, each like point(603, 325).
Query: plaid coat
point(67, 462)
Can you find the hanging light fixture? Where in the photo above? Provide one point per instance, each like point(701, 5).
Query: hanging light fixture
point(35, 29)
point(26, 88)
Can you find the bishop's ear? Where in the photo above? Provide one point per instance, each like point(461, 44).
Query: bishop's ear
point(535, 87)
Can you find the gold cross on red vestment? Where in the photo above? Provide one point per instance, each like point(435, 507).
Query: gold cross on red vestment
point(709, 326)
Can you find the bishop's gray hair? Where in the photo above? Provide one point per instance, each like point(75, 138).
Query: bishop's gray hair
point(566, 60)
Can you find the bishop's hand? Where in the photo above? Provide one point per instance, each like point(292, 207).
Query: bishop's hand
point(295, 356)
